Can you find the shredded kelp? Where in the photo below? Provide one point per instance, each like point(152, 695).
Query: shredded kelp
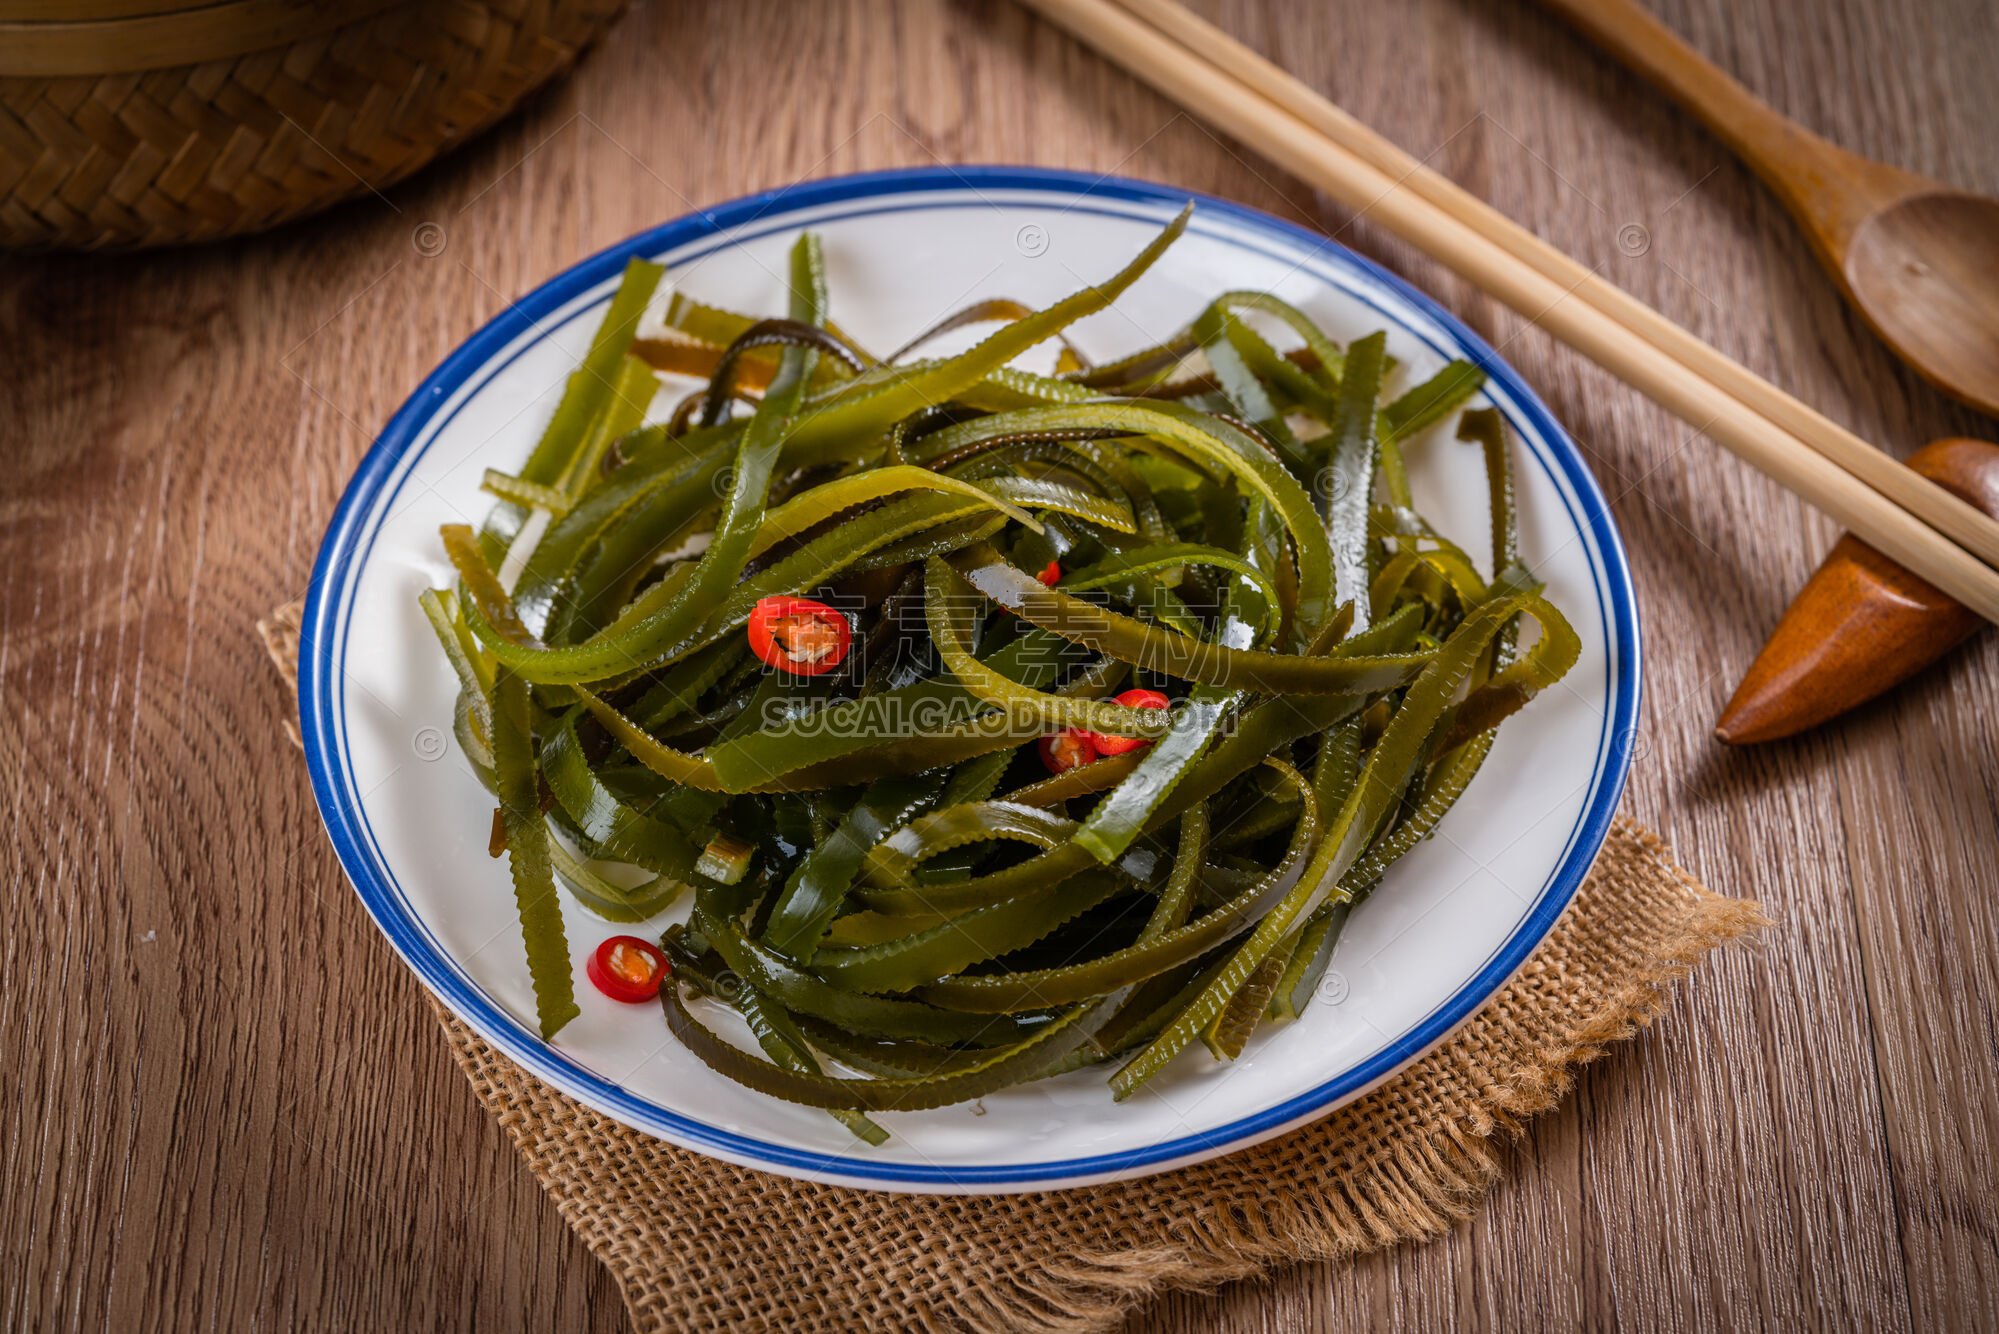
point(996, 723)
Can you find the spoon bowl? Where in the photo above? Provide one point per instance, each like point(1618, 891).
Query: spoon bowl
point(1924, 271)
point(1918, 258)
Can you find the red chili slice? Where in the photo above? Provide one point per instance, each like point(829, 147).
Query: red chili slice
point(1051, 574)
point(798, 635)
point(627, 969)
point(1121, 745)
point(1068, 749)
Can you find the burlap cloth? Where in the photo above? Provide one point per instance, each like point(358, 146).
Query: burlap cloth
point(701, 1244)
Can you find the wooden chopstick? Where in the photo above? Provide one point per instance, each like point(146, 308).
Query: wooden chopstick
point(1564, 298)
point(1968, 526)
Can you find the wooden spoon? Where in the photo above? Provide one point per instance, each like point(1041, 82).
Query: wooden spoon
point(1917, 258)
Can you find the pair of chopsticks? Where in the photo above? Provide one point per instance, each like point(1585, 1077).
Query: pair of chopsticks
point(1902, 514)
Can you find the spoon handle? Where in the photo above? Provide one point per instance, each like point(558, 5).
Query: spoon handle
point(1827, 189)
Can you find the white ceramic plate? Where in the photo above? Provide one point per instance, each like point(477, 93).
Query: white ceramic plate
point(1452, 922)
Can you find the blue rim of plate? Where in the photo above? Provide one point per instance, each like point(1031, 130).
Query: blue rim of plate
point(349, 538)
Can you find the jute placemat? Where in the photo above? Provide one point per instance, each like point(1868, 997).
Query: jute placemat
point(700, 1244)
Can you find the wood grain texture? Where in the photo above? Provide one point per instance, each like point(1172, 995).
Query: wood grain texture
point(225, 1106)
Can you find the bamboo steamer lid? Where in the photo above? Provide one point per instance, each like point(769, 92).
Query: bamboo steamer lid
point(131, 123)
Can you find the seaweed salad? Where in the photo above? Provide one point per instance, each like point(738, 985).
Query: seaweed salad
point(995, 723)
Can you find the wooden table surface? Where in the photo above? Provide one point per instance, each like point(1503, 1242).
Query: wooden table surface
point(224, 1103)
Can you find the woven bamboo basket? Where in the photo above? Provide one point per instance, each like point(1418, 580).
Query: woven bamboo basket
point(128, 123)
